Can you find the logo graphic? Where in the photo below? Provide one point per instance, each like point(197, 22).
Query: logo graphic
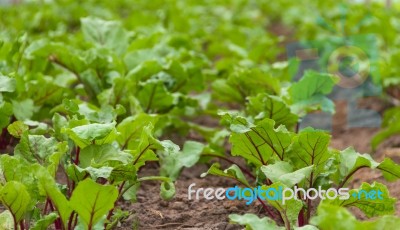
point(279, 194)
point(354, 59)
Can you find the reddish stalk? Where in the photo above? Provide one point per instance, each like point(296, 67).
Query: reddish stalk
point(15, 222)
point(21, 225)
point(77, 152)
point(46, 206)
point(309, 205)
point(3, 139)
point(57, 222)
point(271, 214)
point(300, 218)
point(348, 176)
point(110, 213)
point(71, 219)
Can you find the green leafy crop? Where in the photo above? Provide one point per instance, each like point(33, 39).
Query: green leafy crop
point(92, 92)
point(278, 157)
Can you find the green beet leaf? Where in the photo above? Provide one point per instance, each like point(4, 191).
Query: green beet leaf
point(7, 84)
point(23, 110)
point(173, 161)
point(84, 135)
point(6, 220)
point(40, 149)
point(253, 222)
point(272, 107)
point(16, 199)
point(289, 209)
point(131, 128)
point(92, 201)
point(308, 94)
point(17, 169)
point(283, 172)
point(17, 128)
point(389, 169)
point(6, 110)
point(310, 147)
point(350, 161)
point(109, 34)
point(262, 143)
point(371, 199)
point(331, 217)
point(233, 172)
point(145, 148)
point(390, 126)
point(48, 188)
point(154, 97)
point(98, 155)
point(125, 172)
point(45, 222)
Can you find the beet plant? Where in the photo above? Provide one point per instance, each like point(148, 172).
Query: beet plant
point(281, 157)
point(93, 92)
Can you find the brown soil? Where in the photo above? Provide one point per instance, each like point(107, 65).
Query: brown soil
point(151, 212)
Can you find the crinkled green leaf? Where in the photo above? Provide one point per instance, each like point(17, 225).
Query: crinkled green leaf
point(7, 84)
point(6, 220)
point(172, 162)
point(283, 172)
point(84, 135)
point(131, 128)
point(45, 222)
point(377, 203)
point(110, 34)
point(145, 149)
point(17, 128)
point(272, 107)
point(331, 217)
point(389, 169)
point(310, 147)
point(78, 174)
point(36, 148)
point(97, 155)
point(17, 169)
point(309, 93)
point(126, 172)
point(15, 197)
point(236, 123)
point(350, 161)
point(102, 172)
point(245, 82)
point(262, 143)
